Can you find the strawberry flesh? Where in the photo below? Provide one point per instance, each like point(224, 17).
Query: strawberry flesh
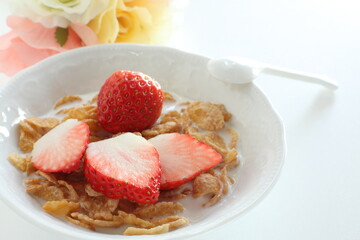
point(61, 149)
point(124, 167)
point(182, 158)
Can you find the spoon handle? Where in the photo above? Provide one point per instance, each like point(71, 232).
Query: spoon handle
point(303, 76)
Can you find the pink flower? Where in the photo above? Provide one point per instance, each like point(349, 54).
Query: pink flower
point(29, 43)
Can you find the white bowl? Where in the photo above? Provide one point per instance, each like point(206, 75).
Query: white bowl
point(34, 91)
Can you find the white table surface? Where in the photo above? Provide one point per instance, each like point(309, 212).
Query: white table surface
point(318, 193)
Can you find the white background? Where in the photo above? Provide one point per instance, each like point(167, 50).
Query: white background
point(318, 193)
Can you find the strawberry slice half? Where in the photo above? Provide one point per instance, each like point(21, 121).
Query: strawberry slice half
point(182, 158)
point(61, 149)
point(126, 167)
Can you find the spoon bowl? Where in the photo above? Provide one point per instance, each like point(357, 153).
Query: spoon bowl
point(232, 71)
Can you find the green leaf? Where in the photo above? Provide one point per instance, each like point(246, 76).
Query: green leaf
point(61, 35)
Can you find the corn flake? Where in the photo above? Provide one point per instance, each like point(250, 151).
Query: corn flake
point(168, 97)
point(224, 186)
point(81, 113)
point(174, 221)
point(94, 126)
point(48, 176)
point(48, 193)
point(91, 192)
point(231, 159)
point(111, 204)
point(102, 216)
point(37, 181)
point(28, 136)
point(42, 125)
point(178, 223)
point(225, 113)
point(67, 99)
point(18, 161)
point(79, 223)
point(100, 204)
point(206, 115)
point(165, 220)
point(234, 138)
point(152, 231)
point(32, 129)
point(131, 219)
point(158, 209)
point(205, 184)
point(216, 142)
point(72, 193)
point(64, 111)
point(61, 208)
point(115, 222)
point(167, 127)
point(224, 180)
point(171, 116)
point(29, 167)
point(194, 132)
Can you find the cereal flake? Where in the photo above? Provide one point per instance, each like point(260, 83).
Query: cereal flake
point(205, 184)
point(167, 127)
point(206, 115)
point(18, 161)
point(32, 129)
point(67, 99)
point(152, 231)
point(158, 209)
point(168, 97)
point(131, 219)
point(48, 193)
point(61, 208)
point(115, 222)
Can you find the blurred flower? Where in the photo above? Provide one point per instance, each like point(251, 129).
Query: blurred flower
point(105, 25)
point(41, 28)
point(136, 21)
point(30, 42)
point(58, 13)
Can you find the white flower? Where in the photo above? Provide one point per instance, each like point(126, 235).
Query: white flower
point(58, 13)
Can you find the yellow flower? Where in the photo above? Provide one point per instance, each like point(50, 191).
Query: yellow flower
point(105, 25)
point(136, 21)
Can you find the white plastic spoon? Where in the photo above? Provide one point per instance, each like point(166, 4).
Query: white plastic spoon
point(243, 70)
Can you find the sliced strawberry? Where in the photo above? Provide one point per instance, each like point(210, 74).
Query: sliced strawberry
point(126, 167)
point(61, 149)
point(182, 158)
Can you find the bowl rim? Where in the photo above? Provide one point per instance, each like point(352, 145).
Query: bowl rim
point(121, 46)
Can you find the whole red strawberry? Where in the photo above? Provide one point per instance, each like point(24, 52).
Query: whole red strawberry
point(129, 102)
